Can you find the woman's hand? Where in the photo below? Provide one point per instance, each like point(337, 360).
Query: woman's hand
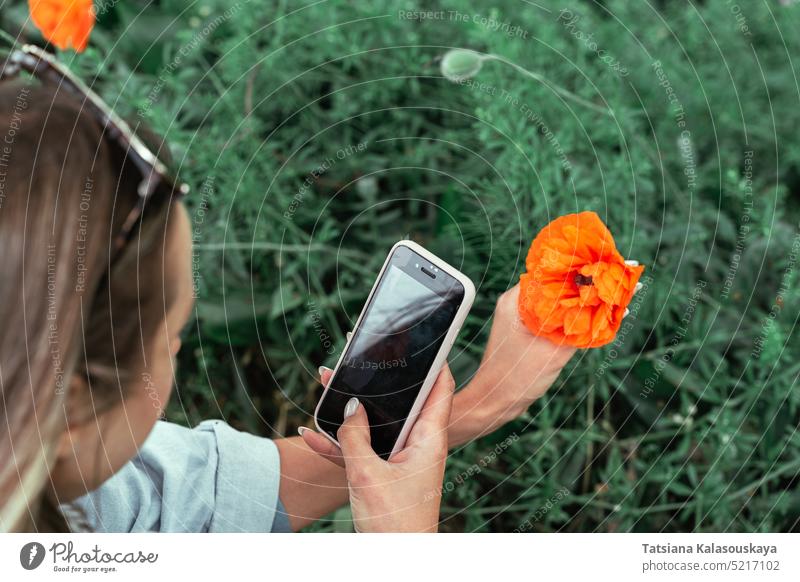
point(517, 369)
point(402, 494)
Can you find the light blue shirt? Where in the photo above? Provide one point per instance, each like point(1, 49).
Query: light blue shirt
point(212, 478)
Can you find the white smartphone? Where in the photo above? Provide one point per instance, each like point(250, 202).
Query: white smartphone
point(398, 346)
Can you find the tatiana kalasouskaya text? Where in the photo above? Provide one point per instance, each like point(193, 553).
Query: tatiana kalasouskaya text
point(712, 548)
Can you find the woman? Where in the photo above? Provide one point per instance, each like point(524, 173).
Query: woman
point(91, 330)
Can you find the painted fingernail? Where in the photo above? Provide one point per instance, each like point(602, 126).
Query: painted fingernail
point(638, 287)
point(627, 311)
point(632, 263)
point(349, 335)
point(350, 409)
point(302, 429)
point(321, 369)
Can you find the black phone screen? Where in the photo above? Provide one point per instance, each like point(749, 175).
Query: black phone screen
point(393, 348)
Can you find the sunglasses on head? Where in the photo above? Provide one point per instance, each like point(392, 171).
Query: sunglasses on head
point(155, 177)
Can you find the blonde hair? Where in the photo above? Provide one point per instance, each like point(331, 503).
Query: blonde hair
point(64, 191)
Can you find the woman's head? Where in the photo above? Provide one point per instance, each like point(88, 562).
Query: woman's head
point(88, 335)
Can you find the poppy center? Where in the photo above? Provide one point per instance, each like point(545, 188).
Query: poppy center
point(582, 280)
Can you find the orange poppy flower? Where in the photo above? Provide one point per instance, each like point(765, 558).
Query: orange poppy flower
point(65, 23)
point(577, 286)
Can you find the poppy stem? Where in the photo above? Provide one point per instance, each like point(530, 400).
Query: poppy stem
point(7, 37)
point(556, 88)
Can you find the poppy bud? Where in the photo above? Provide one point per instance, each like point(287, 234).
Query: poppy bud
point(461, 64)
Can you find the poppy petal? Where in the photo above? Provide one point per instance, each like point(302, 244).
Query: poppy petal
point(577, 284)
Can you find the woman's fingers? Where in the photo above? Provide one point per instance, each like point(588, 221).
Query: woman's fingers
point(353, 436)
point(435, 415)
point(325, 374)
point(317, 442)
point(321, 445)
point(636, 289)
point(440, 400)
point(632, 263)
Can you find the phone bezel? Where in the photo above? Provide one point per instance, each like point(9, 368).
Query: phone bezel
point(444, 350)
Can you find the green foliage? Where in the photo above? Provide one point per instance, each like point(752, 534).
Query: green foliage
point(689, 421)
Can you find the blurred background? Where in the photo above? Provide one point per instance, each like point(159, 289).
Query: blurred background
point(317, 134)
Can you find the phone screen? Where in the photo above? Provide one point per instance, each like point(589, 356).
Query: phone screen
point(391, 352)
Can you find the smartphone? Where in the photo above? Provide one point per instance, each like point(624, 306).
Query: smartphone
point(398, 346)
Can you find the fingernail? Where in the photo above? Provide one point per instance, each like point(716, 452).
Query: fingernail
point(627, 311)
point(321, 369)
point(302, 429)
point(350, 409)
point(632, 263)
point(638, 287)
point(349, 334)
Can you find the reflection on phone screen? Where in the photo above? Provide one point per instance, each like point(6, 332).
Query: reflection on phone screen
point(392, 351)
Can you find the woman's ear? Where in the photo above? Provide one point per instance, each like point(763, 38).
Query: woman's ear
point(68, 445)
point(77, 446)
point(175, 347)
point(77, 402)
point(69, 442)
